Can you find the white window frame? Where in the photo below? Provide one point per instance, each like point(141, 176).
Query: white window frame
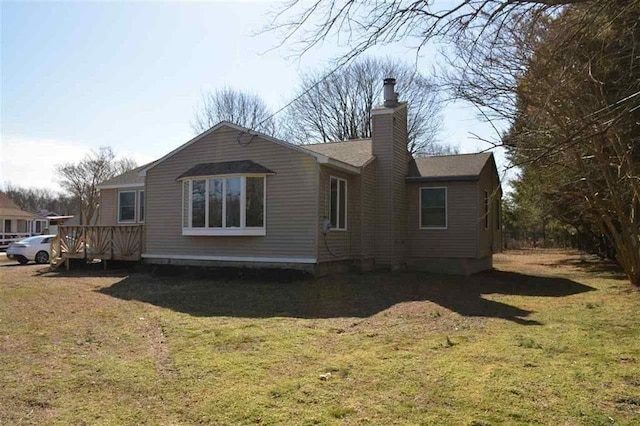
point(135, 206)
point(346, 203)
point(136, 213)
point(140, 195)
point(446, 209)
point(242, 230)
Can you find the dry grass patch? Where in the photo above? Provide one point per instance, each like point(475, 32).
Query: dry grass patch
point(548, 338)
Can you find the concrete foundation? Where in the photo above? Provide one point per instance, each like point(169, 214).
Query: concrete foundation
point(451, 266)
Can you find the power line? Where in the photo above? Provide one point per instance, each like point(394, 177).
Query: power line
point(297, 98)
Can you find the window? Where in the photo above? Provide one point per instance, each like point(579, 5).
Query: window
point(38, 226)
point(498, 213)
point(7, 225)
point(485, 210)
point(433, 208)
point(140, 206)
point(338, 203)
point(127, 206)
point(233, 205)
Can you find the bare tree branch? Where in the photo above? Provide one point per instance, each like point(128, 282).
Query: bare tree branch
point(240, 108)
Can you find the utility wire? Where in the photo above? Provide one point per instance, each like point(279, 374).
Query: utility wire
point(297, 98)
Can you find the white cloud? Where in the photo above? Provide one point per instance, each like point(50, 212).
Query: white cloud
point(31, 162)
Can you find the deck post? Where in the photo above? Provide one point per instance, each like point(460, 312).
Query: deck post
point(84, 242)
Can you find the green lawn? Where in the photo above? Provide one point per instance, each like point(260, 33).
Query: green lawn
point(546, 339)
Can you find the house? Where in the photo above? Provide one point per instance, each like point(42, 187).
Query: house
point(235, 197)
point(15, 223)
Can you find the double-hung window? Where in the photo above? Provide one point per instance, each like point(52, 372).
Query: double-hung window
point(126, 206)
point(338, 203)
point(433, 208)
point(224, 205)
point(130, 206)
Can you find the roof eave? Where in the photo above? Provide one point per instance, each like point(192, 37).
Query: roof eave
point(442, 178)
point(337, 164)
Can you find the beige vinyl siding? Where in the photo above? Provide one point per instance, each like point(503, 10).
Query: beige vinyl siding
point(367, 210)
point(108, 207)
point(490, 240)
point(291, 200)
point(400, 171)
point(460, 239)
point(342, 245)
point(390, 149)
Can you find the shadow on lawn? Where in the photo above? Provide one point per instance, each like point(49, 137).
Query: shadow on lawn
point(352, 295)
point(591, 264)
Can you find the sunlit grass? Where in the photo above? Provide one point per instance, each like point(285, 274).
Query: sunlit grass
point(402, 348)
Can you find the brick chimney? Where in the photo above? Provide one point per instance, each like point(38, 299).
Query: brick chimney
point(389, 146)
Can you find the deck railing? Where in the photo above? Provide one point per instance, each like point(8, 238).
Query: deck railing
point(97, 242)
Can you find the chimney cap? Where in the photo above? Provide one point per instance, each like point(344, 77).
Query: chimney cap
point(390, 95)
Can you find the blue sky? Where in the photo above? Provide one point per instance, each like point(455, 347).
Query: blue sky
point(80, 75)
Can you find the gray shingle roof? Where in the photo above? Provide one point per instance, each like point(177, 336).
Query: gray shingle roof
point(356, 152)
point(448, 167)
point(132, 177)
point(9, 209)
point(224, 168)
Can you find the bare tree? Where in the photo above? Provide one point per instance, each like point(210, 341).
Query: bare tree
point(240, 108)
point(302, 25)
point(81, 180)
point(339, 107)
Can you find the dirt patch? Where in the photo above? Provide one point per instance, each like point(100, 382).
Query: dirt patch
point(154, 332)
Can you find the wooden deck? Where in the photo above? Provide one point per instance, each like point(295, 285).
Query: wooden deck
point(97, 242)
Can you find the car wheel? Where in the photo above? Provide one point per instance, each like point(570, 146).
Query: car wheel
point(42, 257)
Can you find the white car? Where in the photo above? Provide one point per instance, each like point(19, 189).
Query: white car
point(33, 248)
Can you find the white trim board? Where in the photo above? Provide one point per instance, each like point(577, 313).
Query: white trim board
point(122, 186)
point(231, 258)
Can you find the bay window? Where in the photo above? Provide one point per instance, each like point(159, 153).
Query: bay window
point(224, 205)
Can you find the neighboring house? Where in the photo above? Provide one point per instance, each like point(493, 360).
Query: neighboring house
point(235, 197)
point(15, 223)
point(41, 224)
point(54, 221)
